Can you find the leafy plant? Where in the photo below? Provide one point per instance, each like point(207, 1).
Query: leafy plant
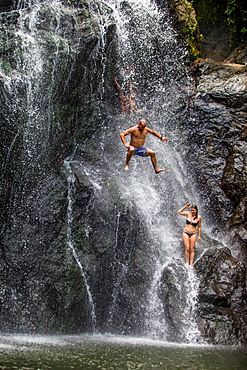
point(232, 12)
point(236, 18)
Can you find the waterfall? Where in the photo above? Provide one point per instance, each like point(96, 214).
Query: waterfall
point(70, 242)
point(148, 44)
point(60, 96)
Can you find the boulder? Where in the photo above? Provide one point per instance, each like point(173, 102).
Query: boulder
point(216, 130)
point(222, 306)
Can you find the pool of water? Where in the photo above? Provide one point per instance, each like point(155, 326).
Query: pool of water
point(108, 352)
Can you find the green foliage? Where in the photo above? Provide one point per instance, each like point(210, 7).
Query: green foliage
point(208, 11)
point(190, 34)
point(236, 18)
point(232, 12)
point(191, 29)
point(188, 4)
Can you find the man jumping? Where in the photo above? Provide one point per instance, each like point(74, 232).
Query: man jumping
point(136, 146)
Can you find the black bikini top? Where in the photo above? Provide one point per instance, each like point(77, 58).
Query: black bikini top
point(191, 223)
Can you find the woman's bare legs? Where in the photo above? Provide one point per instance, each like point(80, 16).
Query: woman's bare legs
point(189, 243)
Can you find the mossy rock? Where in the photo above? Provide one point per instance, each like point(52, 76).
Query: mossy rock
point(185, 22)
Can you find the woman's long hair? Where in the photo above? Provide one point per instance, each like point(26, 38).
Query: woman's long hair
point(196, 208)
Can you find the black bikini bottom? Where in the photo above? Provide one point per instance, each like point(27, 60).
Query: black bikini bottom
point(189, 235)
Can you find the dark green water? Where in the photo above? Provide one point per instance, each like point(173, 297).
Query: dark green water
point(112, 353)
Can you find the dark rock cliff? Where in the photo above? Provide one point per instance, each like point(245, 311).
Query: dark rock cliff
point(218, 116)
point(222, 298)
point(216, 132)
point(64, 95)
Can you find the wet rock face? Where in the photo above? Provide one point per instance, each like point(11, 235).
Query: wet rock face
point(217, 136)
point(222, 307)
point(173, 289)
point(234, 181)
point(63, 100)
point(6, 5)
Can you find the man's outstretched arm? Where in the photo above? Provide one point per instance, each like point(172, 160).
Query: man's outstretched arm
point(162, 138)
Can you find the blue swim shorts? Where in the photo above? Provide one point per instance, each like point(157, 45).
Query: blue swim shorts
point(141, 151)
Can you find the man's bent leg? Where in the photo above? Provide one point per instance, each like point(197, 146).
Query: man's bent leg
point(128, 157)
point(151, 154)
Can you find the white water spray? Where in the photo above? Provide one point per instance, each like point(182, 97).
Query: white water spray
point(70, 241)
point(157, 198)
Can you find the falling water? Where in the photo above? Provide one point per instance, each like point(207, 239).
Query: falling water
point(147, 43)
point(156, 62)
point(121, 268)
point(70, 241)
point(191, 331)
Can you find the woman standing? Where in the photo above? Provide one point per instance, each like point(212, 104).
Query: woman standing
point(193, 223)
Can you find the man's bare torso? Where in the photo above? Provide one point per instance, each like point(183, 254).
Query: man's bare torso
point(138, 137)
